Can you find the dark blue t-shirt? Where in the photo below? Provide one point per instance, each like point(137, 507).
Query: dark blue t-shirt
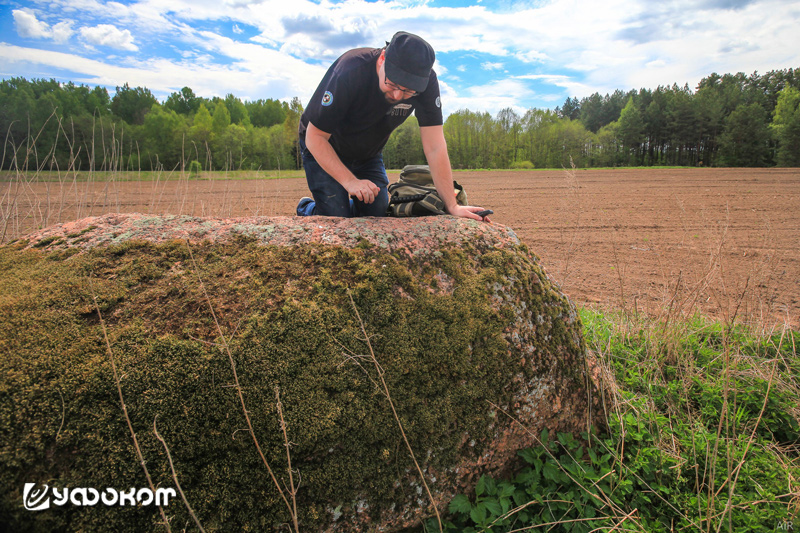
point(350, 106)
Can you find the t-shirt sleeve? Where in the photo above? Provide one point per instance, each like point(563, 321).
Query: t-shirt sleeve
point(429, 108)
point(330, 103)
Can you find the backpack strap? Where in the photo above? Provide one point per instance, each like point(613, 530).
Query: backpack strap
point(406, 199)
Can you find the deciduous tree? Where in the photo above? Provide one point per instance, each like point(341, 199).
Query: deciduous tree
point(786, 126)
point(744, 143)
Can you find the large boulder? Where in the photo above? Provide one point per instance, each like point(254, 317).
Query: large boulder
point(478, 349)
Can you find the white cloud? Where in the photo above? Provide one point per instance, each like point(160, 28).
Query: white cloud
point(656, 63)
point(488, 65)
point(116, 9)
point(145, 18)
point(111, 36)
point(531, 56)
point(260, 73)
point(30, 27)
point(574, 46)
point(505, 88)
point(491, 97)
point(261, 66)
point(63, 31)
point(559, 80)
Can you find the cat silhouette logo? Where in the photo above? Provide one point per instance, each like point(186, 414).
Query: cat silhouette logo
point(34, 499)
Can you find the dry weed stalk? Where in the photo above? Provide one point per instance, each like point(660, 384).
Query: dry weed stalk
point(122, 402)
point(737, 470)
point(41, 191)
point(7, 215)
point(380, 372)
point(175, 477)
point(239, 390)
point(292, 489)
point(619, 269)
point(570, 205)
point(668, 331)
point(551, 525)
point(734, 303)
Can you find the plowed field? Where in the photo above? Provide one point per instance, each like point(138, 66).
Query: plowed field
point(724, 242)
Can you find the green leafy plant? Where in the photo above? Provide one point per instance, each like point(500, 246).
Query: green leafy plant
point(195, 168)
point(570, 483)
point(702, 435)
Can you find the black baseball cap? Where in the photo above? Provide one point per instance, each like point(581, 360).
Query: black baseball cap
point(409, 59)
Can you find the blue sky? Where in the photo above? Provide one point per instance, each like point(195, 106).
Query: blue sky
point(490, 54)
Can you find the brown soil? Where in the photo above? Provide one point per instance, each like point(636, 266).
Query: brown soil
point(723, 242)
point(720, 241)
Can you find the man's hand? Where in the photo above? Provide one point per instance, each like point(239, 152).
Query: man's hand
point(467, 211)
point(364, 190)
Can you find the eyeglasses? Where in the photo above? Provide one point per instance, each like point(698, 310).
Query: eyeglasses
point(407, 92)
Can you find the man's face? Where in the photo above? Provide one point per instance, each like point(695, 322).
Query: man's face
point(393, 93)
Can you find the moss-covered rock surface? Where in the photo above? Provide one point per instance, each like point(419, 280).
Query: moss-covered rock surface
point(467, 331)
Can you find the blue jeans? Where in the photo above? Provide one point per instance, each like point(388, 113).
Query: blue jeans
point(331, 199)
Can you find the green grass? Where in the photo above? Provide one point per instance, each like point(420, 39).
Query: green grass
point(702, 435)
point(162, 175)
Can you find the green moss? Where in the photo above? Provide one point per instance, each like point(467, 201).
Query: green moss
point(364, 243)
point(81, 233)
point(287, 316)
point(47, 241)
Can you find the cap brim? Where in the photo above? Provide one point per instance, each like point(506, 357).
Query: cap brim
point(400, 77)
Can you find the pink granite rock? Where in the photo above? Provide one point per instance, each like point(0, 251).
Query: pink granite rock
point(480, 351)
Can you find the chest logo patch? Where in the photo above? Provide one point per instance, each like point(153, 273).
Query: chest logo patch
point(327, 98)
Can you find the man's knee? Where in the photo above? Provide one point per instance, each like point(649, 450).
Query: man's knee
point(377, 208)
point(334, 205)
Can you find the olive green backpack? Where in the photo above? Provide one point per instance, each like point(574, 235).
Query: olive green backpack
point(414, 194)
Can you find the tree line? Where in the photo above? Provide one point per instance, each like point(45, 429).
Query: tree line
point(53, 126)
point(728, 120)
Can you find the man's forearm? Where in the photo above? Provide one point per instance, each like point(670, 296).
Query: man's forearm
point(442, 174)
point(329, 160)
